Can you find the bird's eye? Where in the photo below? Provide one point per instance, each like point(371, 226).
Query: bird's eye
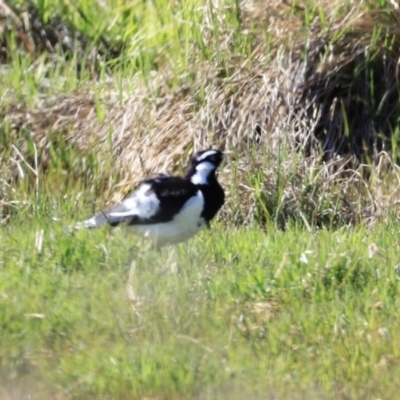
point(216, 158)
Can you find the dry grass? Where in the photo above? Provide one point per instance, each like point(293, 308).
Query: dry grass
point(313, 123)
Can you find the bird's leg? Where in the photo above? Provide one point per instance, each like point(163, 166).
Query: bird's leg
point(170, 264)
point(129, 288)
point(172, 260)
point(136, 300)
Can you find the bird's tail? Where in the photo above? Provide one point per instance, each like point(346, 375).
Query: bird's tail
point(94, 222)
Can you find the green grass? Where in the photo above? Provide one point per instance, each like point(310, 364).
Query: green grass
point(263, 315)
point(252, 313)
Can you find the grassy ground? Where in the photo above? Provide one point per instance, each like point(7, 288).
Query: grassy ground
point(275, 309)
point(264, 315)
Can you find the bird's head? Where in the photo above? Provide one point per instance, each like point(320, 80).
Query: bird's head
point(203, 166)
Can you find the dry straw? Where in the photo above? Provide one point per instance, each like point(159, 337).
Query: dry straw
point(312, 121)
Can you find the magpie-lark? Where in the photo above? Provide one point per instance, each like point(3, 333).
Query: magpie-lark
point(170, 209)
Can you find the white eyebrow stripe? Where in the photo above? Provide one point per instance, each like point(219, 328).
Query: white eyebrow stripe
point(206, 154)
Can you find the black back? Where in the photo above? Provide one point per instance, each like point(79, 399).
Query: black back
point(173, 192)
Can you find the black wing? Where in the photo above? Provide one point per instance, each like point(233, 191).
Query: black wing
point(171, 193)
point(155, 200)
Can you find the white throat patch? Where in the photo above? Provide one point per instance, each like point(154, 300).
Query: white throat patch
point(203, 170)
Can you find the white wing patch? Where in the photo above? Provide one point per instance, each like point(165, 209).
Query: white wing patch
point(206, 154)
point(184, 225)
point(202, 172)
point(140, 204)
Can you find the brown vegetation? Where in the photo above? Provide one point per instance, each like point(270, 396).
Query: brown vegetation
point(313, 121)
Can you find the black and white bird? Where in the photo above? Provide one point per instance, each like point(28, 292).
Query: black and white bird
point(170, 209)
